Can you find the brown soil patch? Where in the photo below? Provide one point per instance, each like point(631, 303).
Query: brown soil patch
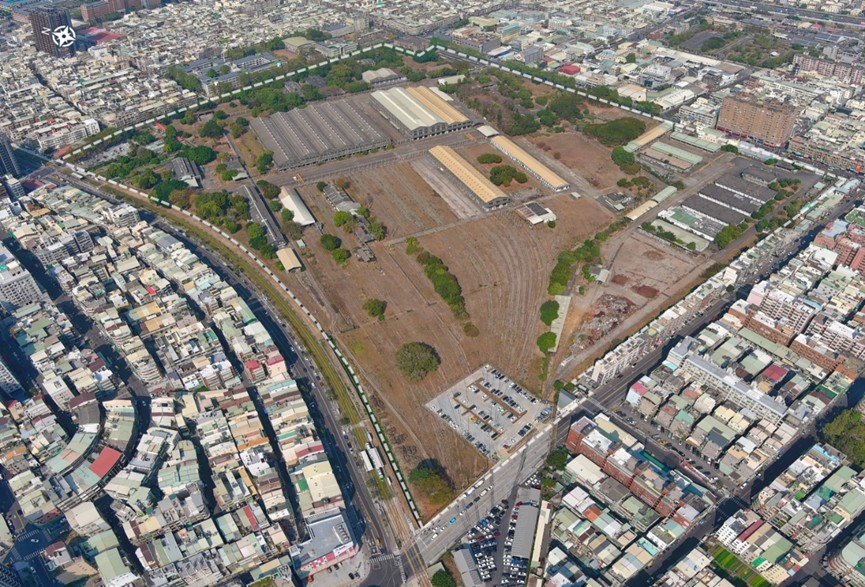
point(395, 194)
point(619, 279)
point(653, 255)
point(645, 291)
point(585, 156)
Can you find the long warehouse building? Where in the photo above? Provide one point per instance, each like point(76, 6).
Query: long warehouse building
point(540, 171)
point(419, 112)
point(490, 195)
point(318, 133)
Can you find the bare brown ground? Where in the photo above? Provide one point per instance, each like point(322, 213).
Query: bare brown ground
point(502, 264)
point(583, 155)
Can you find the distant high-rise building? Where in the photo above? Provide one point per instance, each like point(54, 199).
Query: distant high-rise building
point(102, 8)
point(9, 385)
point(46, 20)
point(8, 164)
point(766, 121)
point(17, 286)
point(13, 186)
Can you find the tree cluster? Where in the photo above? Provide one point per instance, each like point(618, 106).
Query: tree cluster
point(417, 359)
point(444, 283)
point(549, 311)
point(503, 175)
point(616, 133)
point(847, 433)
point(430, 478)
point(258, 240)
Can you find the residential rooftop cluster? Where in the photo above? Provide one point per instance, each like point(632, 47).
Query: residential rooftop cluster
point(202, 361)
point(796, 515)
point(120, 79)
point(621, 507)
point(739, 391)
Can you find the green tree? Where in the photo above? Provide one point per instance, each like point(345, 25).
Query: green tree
point(268, 190)
point(549, 311)
point(211, 129)
point(412, 246)
point(546, 341)
point(375, 308)
point(617, 132)
point(432, 481)
point(200, 154)
point(730, 149)
point(264, 161)
point(631, 58)
point(293, 230)
point(557, 459)
point(443, 579)
point(321, 185)
point(340, 255)
point(342, 218)
point(417, 359)
point(489, 158)
point(287, 215)
point(330, 242)
point(146, 180)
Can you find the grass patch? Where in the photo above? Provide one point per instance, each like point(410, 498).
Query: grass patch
point(734, 570)
point(379, 484)
point(359, 435)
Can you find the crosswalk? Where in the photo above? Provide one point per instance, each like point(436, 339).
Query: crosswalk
point(28, 534)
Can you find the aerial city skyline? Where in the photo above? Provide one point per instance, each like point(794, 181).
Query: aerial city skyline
point(564, 293)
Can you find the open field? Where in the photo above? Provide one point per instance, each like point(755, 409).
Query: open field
point(644, 273)
point(587, 156)
point(382, 190)
point(502, 264)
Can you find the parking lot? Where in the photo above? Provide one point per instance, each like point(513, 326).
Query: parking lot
point(491, 540)
point(492, 412)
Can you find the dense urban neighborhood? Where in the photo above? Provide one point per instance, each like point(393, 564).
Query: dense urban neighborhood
point(566, 293)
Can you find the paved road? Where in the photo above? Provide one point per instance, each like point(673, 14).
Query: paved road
point(463, 513)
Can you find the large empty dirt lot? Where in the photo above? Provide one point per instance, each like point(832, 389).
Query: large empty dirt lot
point(644, 274)
point(587, 156)
point(382, 190)
point(503, 265)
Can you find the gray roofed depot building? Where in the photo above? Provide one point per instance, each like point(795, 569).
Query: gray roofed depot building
point(318, 133)
point(329, 543)
point(186, 171)
point(419, 112)
point(339, 199)
point(729, 199)
point(465, 562)
point(747, 189)
point(761, 175)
